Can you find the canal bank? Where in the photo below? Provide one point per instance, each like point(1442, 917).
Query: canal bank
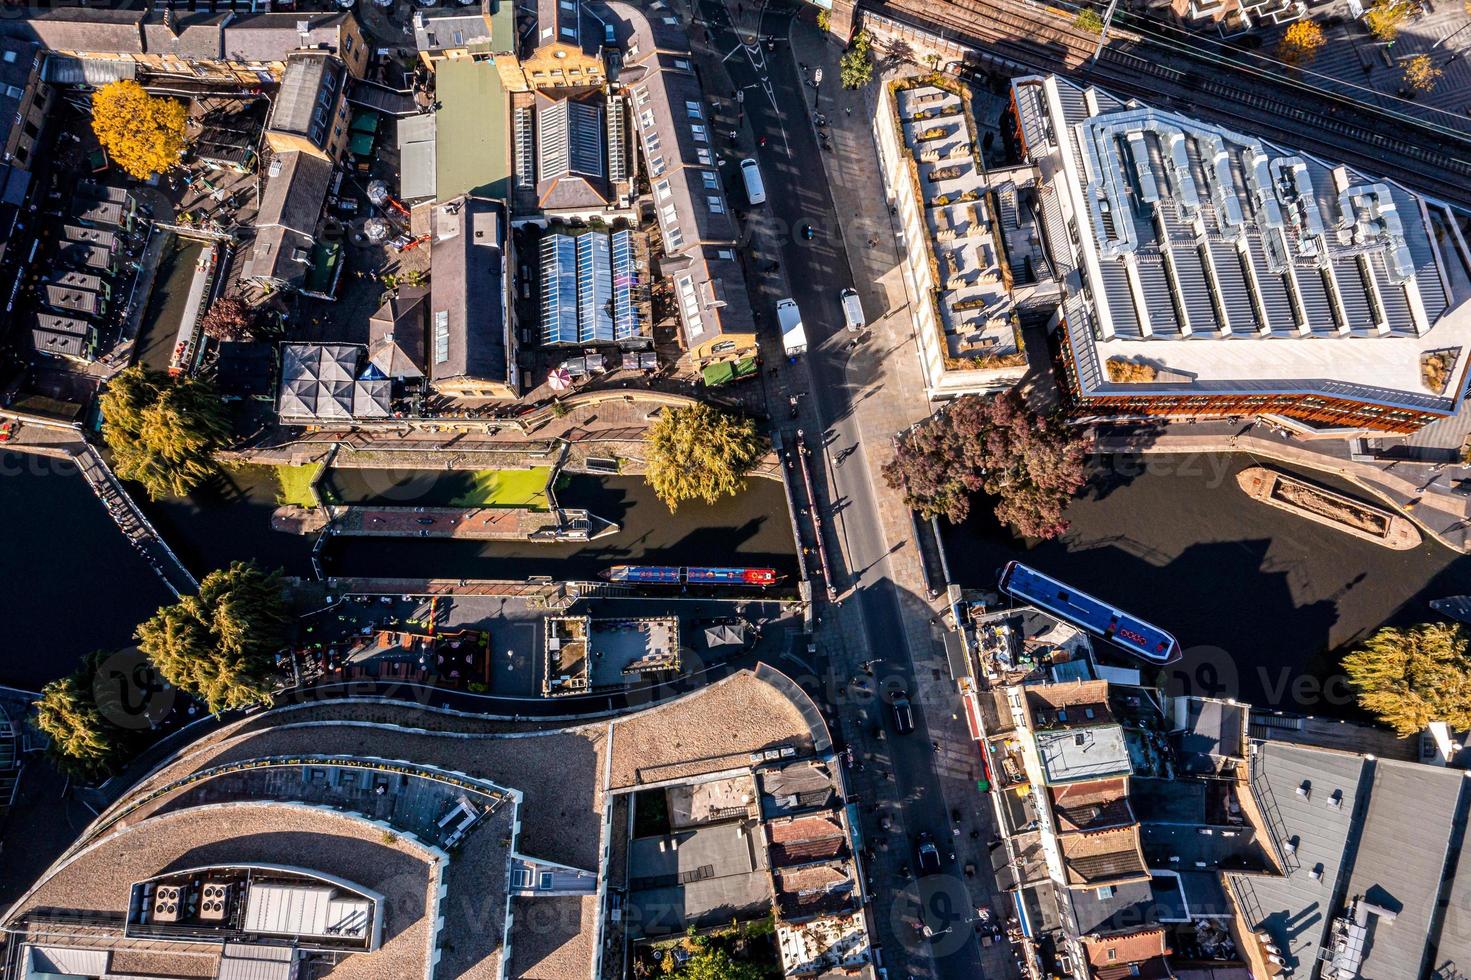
point(1261, 601)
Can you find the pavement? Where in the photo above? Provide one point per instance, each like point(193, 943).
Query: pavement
point(852, 400)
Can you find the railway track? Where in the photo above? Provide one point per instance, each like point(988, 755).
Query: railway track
point(1041, 38)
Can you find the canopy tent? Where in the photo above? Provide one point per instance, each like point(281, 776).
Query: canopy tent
point(321, 381)
point(724, 635)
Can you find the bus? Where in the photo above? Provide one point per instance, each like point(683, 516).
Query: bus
point(1134, 636)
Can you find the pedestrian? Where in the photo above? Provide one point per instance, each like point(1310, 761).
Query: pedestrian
point(848, 109)
point(733, 135)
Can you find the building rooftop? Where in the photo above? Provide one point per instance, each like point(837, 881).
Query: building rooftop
point(1082, 753)
point(100, 879)
point(185, 34)
point(1092, 805)
point(448, 28)
point(270, 36)
point(672, 121)
point(78, 28)
point(975, 306)
point(1103, 857)
point(329, 382)
point(309, 90)
point(1223, 263)
point(721, 729)
point(1401, 860)
point(1321, 829)
point(469, 330)
point(472, 154)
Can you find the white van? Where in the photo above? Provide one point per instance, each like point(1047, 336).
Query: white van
point(852, 310)
point(751, 174)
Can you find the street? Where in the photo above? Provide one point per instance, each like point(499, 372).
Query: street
point(899, 779)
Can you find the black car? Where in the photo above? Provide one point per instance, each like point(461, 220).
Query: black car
point(425, 520)
point(903, 715)
point(927, 855)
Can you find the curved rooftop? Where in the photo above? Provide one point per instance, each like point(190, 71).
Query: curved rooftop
point(419, 805)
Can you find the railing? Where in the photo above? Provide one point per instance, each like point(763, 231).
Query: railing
point(1271, 813)
point(130, 519)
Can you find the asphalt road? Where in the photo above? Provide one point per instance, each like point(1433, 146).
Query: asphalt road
point(898, 777)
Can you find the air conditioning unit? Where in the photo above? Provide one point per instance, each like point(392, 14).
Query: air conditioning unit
point(214, 901)
point(168, 903)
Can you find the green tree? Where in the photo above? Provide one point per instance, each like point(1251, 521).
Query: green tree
point(824, 20)
point(1032, 464)
point(1088, 20)
point(700, 453)
point(711, 963)
point(1411, 677)
point(82, 741)
point(855, 68)
point(1385, 18)
point(143, 134)
point(163, 433)
point(220, 644)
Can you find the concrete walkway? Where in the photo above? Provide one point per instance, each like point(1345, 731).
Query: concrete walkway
point(1422, 491)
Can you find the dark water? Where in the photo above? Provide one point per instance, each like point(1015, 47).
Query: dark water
point(166, 303)
point(69, 582)
point(752, 529)
point(228, 520)
point(1261, 601)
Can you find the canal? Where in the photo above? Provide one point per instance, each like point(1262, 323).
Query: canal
point(751, 529)
point(1262, 602)
point(166, 304)
point(69, 582)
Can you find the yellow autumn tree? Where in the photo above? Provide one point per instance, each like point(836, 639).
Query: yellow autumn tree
point(1300, 45)
point(1421, 73)
point(141, 133)
point(1385, 17)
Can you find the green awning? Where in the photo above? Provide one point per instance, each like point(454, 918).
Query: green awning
point(719, 373)
point(361, 145)
point(365, 122)
point(745, 367)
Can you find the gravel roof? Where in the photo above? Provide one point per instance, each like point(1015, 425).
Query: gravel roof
point(100, 879)
point(716, 729)
point(563, 816)
point(552, 938)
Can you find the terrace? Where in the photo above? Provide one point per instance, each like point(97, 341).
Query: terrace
point(594, 654)
point(972, 288)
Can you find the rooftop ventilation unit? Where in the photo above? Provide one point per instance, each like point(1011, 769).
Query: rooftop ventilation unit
point(168, 903)
point(214, 901)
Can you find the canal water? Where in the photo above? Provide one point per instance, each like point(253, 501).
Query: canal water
point(752, 529)
point(69, 582)
point(1261, 601)
point(166, 304)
